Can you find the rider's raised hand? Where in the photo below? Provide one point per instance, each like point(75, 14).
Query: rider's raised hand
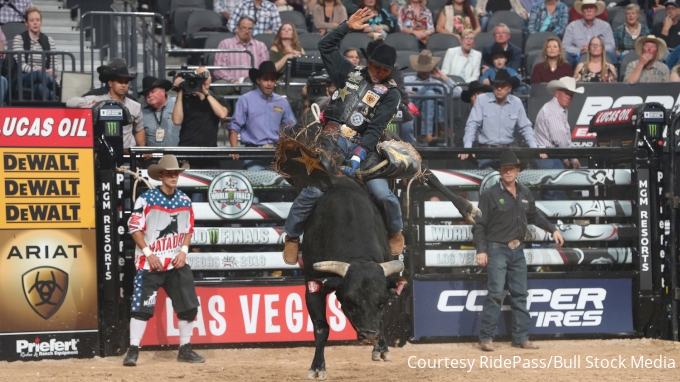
point(358, 20)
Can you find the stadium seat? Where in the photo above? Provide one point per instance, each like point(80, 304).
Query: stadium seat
point(627, 59)
point(214, 39)
point(309, 41)
point(297, 19)
point(535, 41)
point(404, 60)
point(266, 38)
point(441, 42)
point(402, 42)
point(179, 25)
point(436, 5)
point(618, 17)
point(483, 39)
point(440, 54)
point(511, 19)
point(658, 17)
point(176, 5)
point(199, 19)
point(569, 3)
point(516, 37)
point(355, 40)
point(12, 29)
point(531, 59)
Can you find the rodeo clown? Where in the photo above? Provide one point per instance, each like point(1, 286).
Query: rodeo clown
point(360, 109)
point(161, 225)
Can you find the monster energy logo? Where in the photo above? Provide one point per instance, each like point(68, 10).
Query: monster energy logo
point(111, 128)
point(392, 127)
point(213, 235)
point(652, 129)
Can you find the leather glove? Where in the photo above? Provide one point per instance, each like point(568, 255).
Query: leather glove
point(359, 154)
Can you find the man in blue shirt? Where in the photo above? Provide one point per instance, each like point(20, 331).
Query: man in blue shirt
point(260, 114)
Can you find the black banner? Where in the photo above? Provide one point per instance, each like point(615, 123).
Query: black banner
point(598, 97)
point(49, 345)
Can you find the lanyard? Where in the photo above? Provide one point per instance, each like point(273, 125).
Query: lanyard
point(159, 120)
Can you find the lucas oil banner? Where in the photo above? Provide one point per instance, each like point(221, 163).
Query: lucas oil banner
point(48, 272)
point(556, 306)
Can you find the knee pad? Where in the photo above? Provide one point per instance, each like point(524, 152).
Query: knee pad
point(141, 316)
point(188, 315)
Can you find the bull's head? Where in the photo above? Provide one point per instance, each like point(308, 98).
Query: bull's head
point(362, 290)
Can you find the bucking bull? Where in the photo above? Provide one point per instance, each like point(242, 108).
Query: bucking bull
point(345, 247)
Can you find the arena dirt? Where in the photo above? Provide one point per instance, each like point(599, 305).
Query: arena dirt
point(353, 363)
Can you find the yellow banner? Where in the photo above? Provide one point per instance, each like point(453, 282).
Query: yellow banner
point(47, 280)
point(46, 188)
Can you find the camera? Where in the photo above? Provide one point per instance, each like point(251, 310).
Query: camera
point(193, 82)
point(316, 85)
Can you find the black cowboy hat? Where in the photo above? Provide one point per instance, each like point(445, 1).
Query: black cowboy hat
point(508, 157)
point(116, 68)
point(503, 76)
point(265, 67)
point(150, 82)
point(382, 55)
point(498, 49)
point(474, 88)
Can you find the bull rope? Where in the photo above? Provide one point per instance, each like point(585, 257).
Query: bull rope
point(137, 176)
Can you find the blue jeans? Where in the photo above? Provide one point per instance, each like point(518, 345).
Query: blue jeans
point(3, 89)
point(303, 206)
point(488, 164)
point(35, 79)
point(407, 133)
point(427, 108)
point(502, 262)
point(551, 164)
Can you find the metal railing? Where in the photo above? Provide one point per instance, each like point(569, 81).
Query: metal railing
point(35, 81)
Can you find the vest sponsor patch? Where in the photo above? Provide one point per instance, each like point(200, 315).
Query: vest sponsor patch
point(380, 89)
point(313, 286)
point(370, 98)
point(352, 86)
point(357, 119)
point(278, 109)
point(355, 77)
point(335, 95)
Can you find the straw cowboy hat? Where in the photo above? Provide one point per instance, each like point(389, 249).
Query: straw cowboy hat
point(564, 83)
point(578, 6)
point(423, 62)
point(660, 45)
point(167, 163)
point(116, 68)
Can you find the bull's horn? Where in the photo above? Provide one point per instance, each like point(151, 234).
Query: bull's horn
point(337, 267)
point(391, 267)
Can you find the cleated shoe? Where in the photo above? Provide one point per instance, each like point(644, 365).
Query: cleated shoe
point(131, 356)
point(188, 355)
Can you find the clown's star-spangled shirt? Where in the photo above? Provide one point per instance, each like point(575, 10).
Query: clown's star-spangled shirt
point(164, 220)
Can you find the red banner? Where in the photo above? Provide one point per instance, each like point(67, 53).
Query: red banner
point(246, 314)
point(31, 127)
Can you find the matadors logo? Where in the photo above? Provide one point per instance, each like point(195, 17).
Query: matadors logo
point(230, 195)
point(54, 347)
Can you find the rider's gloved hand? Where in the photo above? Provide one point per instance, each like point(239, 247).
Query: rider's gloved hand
point(355, 162)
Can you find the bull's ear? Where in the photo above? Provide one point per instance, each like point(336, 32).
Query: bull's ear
point(331, 282)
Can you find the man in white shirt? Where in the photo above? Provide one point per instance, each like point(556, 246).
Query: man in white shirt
point(463, 61)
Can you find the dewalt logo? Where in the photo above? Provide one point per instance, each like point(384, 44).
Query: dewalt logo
point(45, 289)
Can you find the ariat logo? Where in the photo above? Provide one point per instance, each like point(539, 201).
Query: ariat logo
point(112, 128)
point(45, 289)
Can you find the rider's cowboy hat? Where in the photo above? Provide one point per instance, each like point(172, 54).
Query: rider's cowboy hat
point(265, 67)
point(167, 163)
point(116, 68)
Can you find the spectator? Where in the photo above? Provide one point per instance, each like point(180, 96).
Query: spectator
point(469, 95)
point(574, 14)
point(264, 14)
point(394, 7)
point(260, 114)
point(200, 114)
point(553, 65)
point(579, 32)
point(463, 61)
point(31, 65)
point(352, 55)
point(596, 68)
point(626, 33)
point(4, 85)
point(548, 16)
point(426, 66)
point(499, 57)
point(456, 17)
point(669, 30)
point(13, 11)
point(381, 23)
point(552, 128)
point(675, 77)
point(485, 8)
point(648, 68)
point(501, 34)
point(118, 77)
point(495, 118)
point(243, 39)
point(225, 8)
point(328, 15)
point(415, 19)
point(286, 46)
point(157, 114)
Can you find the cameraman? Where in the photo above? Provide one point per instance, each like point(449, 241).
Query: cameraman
point(318, 90)
point(199, 113)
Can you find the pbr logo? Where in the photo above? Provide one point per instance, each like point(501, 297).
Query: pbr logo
point(45, 289)
point(230, 195)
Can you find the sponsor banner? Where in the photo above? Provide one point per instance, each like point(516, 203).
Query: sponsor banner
point(52, 345)
point(31, 127)
point(203, 178)
point(247, 314)
point(534, 178)
point(570, 232)
point(567, 306)
point(257, 211)
point(535, 256)
point(48, 280)
point(237, 236)
point(237, 261)
point(644, 214)
point(557, 209)
point(597, 98)
point(46, 188)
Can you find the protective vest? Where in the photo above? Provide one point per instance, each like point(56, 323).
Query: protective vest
point(354, 105)
point(44, 44)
